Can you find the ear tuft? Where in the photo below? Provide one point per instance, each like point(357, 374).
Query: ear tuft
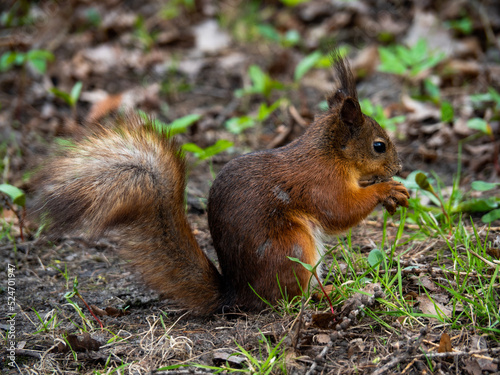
point(350, 113)
point(335, 99)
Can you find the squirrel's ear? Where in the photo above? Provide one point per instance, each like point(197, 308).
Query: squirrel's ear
point(350, 112)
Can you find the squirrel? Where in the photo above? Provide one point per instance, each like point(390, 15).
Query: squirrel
point(263, 207)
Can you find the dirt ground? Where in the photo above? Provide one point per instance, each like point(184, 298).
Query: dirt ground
point(171, 59)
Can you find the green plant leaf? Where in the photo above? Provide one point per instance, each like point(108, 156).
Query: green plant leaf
point(307, 266)
point(432, 89)
point(61, 95)
point(423, 182)
point(479, 124)
point(483, 185)
point(203, 154)
point(491, 216)
point(495, 96)
point(292, 3)
point(291, 38)
point(237, 125)
point(404, 54)
point(258, 77)
point(306, 64)
point(375, 257)
point(269, 32)
point(193, 148)
point(217, 148)
point(38, 59)
point(39, 65)
point(75, 93)
point(476, 205)
point(15, 194)
point(447, 113)
point(40, 54)
point(390, 62)
point(265, 111)
point(180, 125)
point(10, 58)
point(419, 51)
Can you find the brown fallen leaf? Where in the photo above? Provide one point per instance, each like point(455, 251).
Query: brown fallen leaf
point(98, 311)
point(321, 338)
point(445, 344)
point(114, 312)
point(220, 358)
point(81, 343)
point(433, 307)
point(109, 311)
point(427, 283)
point(323, 321)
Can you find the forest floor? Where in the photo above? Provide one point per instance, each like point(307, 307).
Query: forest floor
point(255, 73)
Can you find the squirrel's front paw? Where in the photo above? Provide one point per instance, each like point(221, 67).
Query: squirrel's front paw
point(397, 196)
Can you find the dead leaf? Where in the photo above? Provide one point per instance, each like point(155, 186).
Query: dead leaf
point(411, 296)
point(432, 307)
point(427, 283)
point(109, 311)
point(321, 339)
point(210, 37)
point(96, 310)
point(461, 67)
point(485, 364)
point(220, 358)
point(356, 346)
point(472, 367)
point(323, 321)
point(114, 312)
point(444, 343)
point(81, 343)
point(419, 110)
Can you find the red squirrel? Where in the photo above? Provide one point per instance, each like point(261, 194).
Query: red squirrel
point(263, 207)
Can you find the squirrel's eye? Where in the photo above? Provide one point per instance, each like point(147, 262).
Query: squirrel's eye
point(379, 147)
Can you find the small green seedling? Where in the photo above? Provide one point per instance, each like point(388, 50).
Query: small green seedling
point(312, 270)
point(70, 98)
point(36, 58)
point(46, 325)
point(447, 112)
point(463, 25)
point(69, 295)
point(145, 37)
point(288, 39)
point(293, 3)
point(408, 62)
point(174, 8)
point(376, 258)
point(262, 83)
point(177, 126)
point(489, 203)
point(378, 114)
point(237, 125)
point(492, 96)
point(208, 152)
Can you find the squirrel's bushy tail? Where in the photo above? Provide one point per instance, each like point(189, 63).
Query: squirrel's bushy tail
point(130, 179)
